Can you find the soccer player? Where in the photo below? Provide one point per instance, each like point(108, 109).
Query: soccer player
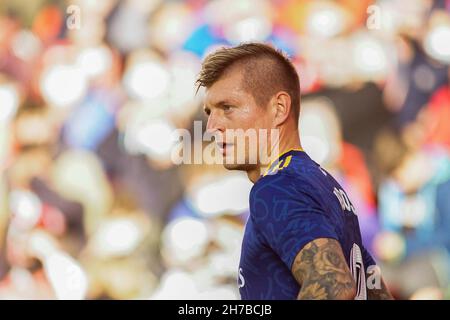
point(302, 239)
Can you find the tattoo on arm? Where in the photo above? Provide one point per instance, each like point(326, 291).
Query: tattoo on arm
point(321, 270)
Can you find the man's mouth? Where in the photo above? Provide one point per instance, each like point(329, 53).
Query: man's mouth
point(223, 146)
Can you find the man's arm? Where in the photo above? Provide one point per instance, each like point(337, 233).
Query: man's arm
point(322, 272)
point(379, 294)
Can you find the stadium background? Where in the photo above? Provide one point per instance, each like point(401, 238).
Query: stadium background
point(91, 206)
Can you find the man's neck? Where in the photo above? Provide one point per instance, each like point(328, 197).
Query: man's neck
point(284, 144)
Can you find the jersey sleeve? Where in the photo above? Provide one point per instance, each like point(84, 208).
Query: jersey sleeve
point(288, 218)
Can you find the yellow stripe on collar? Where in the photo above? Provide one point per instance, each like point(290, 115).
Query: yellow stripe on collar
point(281, 165)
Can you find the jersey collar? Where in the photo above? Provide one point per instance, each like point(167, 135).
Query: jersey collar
point(277, 164)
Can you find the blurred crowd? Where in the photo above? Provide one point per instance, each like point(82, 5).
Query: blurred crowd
point(91, 206)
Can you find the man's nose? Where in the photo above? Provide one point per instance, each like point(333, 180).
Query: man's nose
point(214, 125)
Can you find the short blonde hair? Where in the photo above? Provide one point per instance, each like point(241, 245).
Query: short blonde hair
point(266, 71)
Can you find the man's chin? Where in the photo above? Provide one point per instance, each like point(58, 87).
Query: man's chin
point(236, 166)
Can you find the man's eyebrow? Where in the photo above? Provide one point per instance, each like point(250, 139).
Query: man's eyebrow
point(220, 103)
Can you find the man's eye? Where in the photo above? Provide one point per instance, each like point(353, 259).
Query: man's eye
point(207, 111)
point(226, 108)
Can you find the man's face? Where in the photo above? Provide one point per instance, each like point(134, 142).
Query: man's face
point(229, 108)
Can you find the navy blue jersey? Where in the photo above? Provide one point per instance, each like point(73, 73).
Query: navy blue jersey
point(294, 203)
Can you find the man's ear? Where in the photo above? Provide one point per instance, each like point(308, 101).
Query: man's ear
point(282, 105)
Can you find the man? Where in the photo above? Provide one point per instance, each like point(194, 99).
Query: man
point(302, 239)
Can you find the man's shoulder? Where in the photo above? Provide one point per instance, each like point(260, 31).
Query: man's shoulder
point(276, 182)
point(302, 181)
point(283, 185)
point(299, 172)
